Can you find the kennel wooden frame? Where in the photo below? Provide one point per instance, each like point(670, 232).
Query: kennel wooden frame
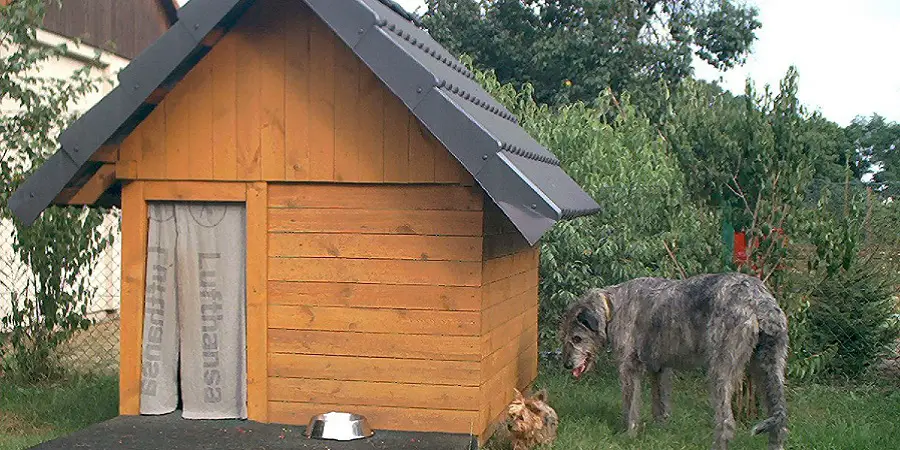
point(393, 207)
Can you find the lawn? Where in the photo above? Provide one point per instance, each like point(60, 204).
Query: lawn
point(33, 414)
point(821, 417)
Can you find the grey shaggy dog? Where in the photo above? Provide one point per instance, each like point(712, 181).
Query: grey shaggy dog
point(725, 323)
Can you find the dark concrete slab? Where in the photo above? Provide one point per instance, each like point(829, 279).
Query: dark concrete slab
point(171, 432)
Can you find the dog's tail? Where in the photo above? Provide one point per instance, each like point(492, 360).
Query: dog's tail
point(771, 360)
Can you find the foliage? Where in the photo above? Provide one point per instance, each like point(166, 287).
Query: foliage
point(851, 320)
point(626, 167)
point(846, 321)
point(573, 50)
point(61, 246)
point(877, 142)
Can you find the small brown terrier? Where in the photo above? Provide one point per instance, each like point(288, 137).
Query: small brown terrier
point(531, 421)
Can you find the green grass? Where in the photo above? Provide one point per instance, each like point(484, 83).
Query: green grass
point(821, 417)
point(32, 414)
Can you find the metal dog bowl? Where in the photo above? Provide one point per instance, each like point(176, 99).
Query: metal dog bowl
point(338, 426)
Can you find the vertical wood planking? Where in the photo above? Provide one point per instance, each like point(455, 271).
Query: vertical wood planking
point(178, 128)
point(371, 130)
point(347, 116)
point(321, 90)
point(396, 140)
point(296, 101)
point(247, 97)
point(257, 302)
point(445, 164)
point(421, 154)
point(271, 49)
point(200, 153)
point(223, 58)
point(134, 251)
point(153, 145)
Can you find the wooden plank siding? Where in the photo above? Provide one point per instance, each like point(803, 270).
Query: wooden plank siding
point(509, 316)
point(281, 98)
point(374, 303)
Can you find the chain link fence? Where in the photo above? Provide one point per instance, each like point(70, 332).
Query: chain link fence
point(97, 348)
point(846, 325)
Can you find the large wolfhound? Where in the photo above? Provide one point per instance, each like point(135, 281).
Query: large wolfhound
point(722, 322)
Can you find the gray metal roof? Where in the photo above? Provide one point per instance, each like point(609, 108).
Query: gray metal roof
point(522, 177)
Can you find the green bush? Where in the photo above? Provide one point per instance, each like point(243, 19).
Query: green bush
point(626, 166)
point(851, 321)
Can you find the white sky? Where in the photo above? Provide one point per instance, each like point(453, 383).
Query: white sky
point(845, 52)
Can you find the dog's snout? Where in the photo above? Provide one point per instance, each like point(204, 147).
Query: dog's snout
point(568, 365)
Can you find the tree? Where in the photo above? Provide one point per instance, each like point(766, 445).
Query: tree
point(61, 247)
point(877, 142)
point(572, 50)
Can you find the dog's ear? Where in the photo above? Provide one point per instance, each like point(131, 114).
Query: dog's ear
point(589, 319)
point(517, 396)
point(541, 395)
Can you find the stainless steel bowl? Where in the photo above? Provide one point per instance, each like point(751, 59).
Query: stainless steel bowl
point(338, 426)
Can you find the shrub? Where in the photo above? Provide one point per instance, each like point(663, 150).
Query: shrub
point(851, 320)
point(626, 166)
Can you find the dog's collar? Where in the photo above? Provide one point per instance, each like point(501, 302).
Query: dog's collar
point(607, 307)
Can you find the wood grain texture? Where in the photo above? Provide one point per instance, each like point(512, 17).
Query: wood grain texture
point(396, 140)
point(200, 149)
point(380, 417)
point(343, 270)
point(297, 93)
point(398, 296)
point(427, 223)
point(347, 117)
point(421, 153)
point(195, 191)
point(371, 126)
point(134, 251)
point(401, 346)
point(367, 393)
point(271, 46)
point(257, 303)
point(321, 101)
point(153, 145)
point(96, 186)
point(247, 96)
point(177, 108)
point(375, 246)
point(374, 321)
point(281, 98)
point(374, 197)
point(224, 80)
point(389, 370)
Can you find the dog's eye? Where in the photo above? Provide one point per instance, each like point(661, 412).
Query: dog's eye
point(576, 340)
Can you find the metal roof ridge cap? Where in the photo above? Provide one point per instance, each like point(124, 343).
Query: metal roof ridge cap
point(512, 166)
point(436, 89)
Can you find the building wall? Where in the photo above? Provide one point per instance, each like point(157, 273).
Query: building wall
point(124, 28)
point(509, 316)
point(373, 304)
point(282, 98)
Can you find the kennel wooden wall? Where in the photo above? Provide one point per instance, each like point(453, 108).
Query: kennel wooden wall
point(381, 279)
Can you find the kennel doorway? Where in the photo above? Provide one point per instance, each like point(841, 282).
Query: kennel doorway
point(194, 327)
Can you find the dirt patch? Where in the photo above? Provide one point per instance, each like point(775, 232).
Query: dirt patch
point(12, 424)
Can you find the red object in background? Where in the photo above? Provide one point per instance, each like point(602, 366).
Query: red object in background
point(740, 247)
